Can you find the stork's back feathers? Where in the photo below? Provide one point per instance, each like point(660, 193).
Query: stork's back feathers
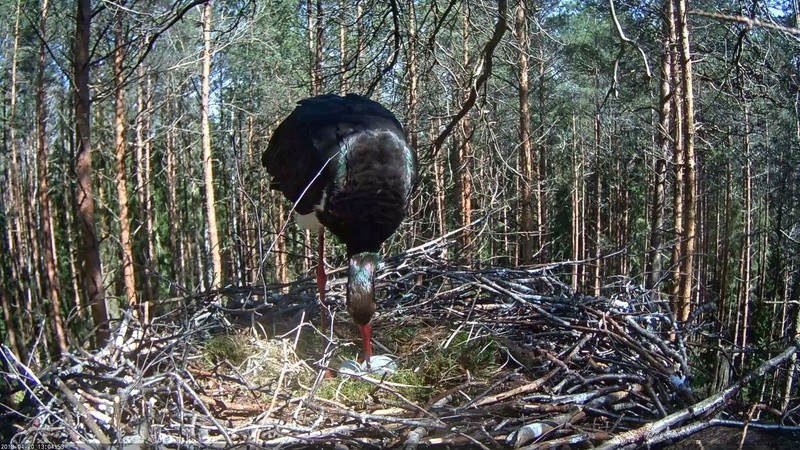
point(347, 160)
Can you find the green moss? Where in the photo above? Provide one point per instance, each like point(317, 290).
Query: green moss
point(226, 347)
point(349, 391)
point(17, 398)
point(452, 358)
point(426, 366)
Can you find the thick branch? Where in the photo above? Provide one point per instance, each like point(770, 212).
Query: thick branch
point(488, 54)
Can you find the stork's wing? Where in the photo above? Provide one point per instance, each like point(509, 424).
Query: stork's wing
point(302, 144)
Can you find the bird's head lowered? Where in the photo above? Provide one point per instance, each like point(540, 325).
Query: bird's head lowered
point(361, 295)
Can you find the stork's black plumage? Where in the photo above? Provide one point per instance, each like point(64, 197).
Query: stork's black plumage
point(345, 163)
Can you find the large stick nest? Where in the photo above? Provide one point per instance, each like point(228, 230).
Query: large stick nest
point(487, 358)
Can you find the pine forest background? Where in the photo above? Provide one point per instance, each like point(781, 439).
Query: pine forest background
point(635, 146)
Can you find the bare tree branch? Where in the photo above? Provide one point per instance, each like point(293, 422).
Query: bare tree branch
point(488, 54)
point(750, 23)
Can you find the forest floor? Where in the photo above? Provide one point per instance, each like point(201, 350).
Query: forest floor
point(484, 358)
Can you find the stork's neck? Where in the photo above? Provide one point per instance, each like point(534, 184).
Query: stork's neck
point(361, 287)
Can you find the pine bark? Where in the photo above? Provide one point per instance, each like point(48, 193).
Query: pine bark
point(208, 162)
point(679, 168)
point(539, 158)
point(120, 179)
point(50, 282)
point(170, 173)
point(688, 242)
point(597, 192)
point(462, 158)
point(745, 266)
point(89, 250)
point(144, 107)
point(654, 267)
point(16, 220)
point(577, 211)
point(22, 242)
point(525, 164)
point(342, 47)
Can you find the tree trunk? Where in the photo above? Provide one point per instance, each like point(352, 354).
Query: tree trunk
point(421, 207)
point(745, 267)
point(678, 158)
point(577, 213)
point(175, 243)
point(597, 209)
point(16, 220)
point(463, 162)
point(51, 284)
point(144, 103)
point(343, 47)
point(126, 249)
point(320, 32)
point(208, 162)
point(359, 43)
point(14, 322)
point(525, 164)
point(315, 36)
point(539, 162)
point(438, 183)
point(688, 242)
point(662, 142)
point(88, 251)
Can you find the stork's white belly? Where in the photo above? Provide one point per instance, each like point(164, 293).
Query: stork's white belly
point(308, 221)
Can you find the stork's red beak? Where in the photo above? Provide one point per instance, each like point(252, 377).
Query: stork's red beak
point(366, 342)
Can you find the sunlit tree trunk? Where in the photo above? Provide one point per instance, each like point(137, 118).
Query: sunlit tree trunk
point(462, 152)
point(144, 109)
point(539, 158)
point(421, 207)
point(175, 243)
point(17, 221)
point(314, 15)
point(89, 251)
point(577, 210)
point(525, 159)
point(360, 43)
point(678, 164)
point(597, 192)
point(51, 283)
point(320, 39)
point(208, 162)
point(688, 243)
point(343, 46)
point(20, 246)
point(28, 201)
point(745, 266)
point(126, 248)
point(654, 267)
point(438, 182)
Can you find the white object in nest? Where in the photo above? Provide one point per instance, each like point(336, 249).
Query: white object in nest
point(379, 365)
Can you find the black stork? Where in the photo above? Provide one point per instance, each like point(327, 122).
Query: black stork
point(345, 164)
